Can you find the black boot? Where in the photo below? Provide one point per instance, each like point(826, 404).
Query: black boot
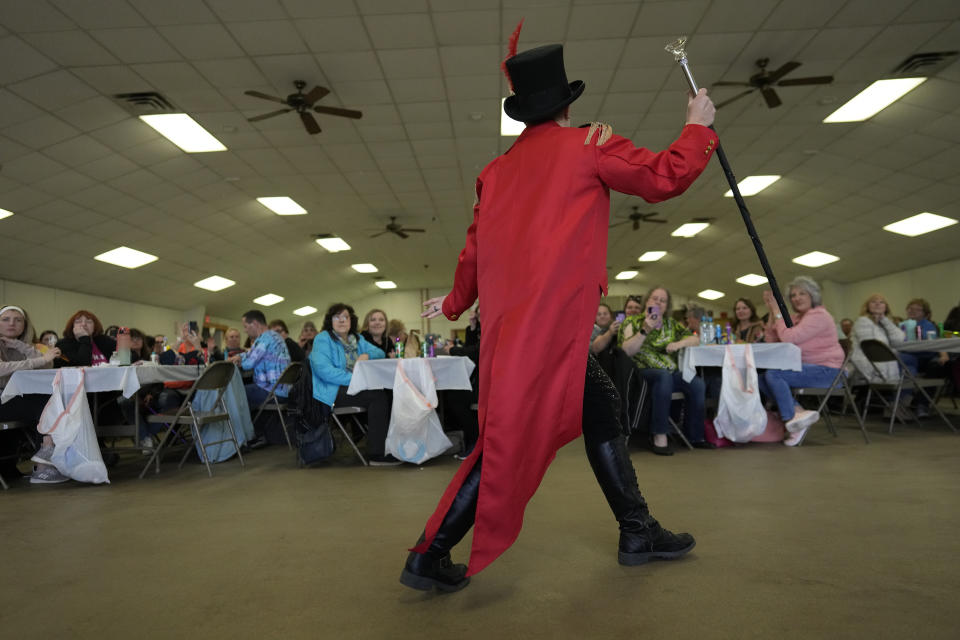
point(434, 568)
point(641, 537)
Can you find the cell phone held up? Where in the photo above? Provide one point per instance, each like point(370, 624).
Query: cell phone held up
point(621, 317)
point(653, 312)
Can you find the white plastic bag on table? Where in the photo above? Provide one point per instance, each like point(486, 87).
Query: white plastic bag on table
point(415, 434)
point(76, 453)
point(740, 414)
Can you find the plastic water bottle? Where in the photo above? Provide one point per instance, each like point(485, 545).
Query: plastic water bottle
point(399, 348)
point(431, 350)
point(703, 330)
point(719, 333)
point(729, 334)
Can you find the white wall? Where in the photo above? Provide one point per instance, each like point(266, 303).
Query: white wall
point(938, 283)
point(50, 308)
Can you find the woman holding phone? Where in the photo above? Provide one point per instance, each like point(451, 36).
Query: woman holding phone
point(652, 339)
point(605, 329)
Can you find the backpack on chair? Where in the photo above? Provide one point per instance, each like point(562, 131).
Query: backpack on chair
point(314, 440)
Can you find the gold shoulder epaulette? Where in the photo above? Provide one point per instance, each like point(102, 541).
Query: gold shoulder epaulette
point(605, 131)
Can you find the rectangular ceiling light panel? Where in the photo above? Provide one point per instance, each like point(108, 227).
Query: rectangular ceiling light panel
point(752, 280)
point(690, 229)
point(920, 224)
point(305, 311)
point(183, 131)
point(874, 99)
point(509, 126)
point(365, 267)
point(269, 299)
point(710, 294)
point(214, 283)
point(282, 206)
point(752, 185)
point(651, 256)
point(333, 245)
point(386, 284)
point(126, 257)
point(627, 275)
point(5, 214)
point(815, 259)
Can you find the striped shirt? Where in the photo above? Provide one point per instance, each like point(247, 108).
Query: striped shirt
point(268, 357)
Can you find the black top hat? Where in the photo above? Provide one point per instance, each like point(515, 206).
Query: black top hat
point(539, 84)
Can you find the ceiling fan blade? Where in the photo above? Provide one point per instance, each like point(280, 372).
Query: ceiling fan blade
point(310, 123)
point(315, 94)
point(414, 230)
point(336, 111)
point(773, 100)
point(636, 225)
point(622, 223)
point(401, 234)
point(736, 97)
point(802, 81)
point(257, 94)
point(379, 234)
point(731, 84)
point(264, 116)
point(656, 220)
point(782, 71)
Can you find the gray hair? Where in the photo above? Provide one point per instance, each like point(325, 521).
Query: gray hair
point(695, 311)
point(805, 283)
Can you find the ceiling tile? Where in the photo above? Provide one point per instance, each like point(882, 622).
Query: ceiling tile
point(857, 13)
point(267, 38)
point(370, 7)
point(350, 66)
point(29, 61)
point(400, 31)
point(173, 12)
point(247, 10)
point(100, 14)
point(32, 167)
point(334, 34)
point(41, 132)
point(77, 150)
point(112, 79)
point(735, 15)
point(601, 21)
point(201, 41)
point(674, 17)
point(417, 89)
point(136, 45)
point(467, 27)
point(410, 63)
point(93, 114)
point(470, 60)
point(71, 48)
point(314, 9)
point(540, 24)
point(240, 73)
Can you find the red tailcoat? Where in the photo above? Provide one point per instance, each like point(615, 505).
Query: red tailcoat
point(536, 256)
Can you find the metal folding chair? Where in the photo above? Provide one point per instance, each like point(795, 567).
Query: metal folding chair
point(10, 425)
point(217, 378)
point(877, 352)
point(636, 412)
point(839, 388)
point(353, 412)
point(289, 376)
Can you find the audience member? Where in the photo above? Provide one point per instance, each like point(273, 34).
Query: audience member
point(605, 330)
point(952, 322)
point(17, 352)
point(874, 323)
point(336, 349)
point(846, 328)
point(633, 306)
point(268, 357)
point(652, 338)
point(48, 340)
point(296, 353)
point(929, 364)
point(692, 314)
point(747, 325)
point(374, 330)
point(307, 334)
point(821, 356)
point(83, 343)
point(138, 346)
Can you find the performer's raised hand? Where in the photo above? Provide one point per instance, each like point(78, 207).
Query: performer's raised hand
point(700, 109)
point(434, 307)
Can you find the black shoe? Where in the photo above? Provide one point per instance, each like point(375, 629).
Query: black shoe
point(703, 444)
point(651, 543)
point(661, 451)
point(423, 572)
point(258, 442)
point(386, 460)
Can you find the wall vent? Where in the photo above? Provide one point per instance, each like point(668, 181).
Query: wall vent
point(924, 64)
point(145, 103)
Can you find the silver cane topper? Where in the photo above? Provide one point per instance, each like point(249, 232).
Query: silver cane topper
point(680, 55)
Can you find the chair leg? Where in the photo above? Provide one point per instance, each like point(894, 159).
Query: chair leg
point(853, 405)
point(286, 432)
point(896, 405)
point(236, 443)
point(3, 483)
point(349, 439)
point(679, 432)
point(195, 429)
point(935, 407)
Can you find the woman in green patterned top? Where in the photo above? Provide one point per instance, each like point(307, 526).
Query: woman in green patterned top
point(652, 339)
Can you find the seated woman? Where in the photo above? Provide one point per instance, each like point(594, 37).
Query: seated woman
point(747, 324)
point(17, 352)
point(48, 340)
point(307, 334)
point(293, 348)
point(374, 331)
point(605, 330)
point(83, 343)
point(138, 346)
point(814, 331)
point(336, 349)
point(874, 323)
point(652, 339)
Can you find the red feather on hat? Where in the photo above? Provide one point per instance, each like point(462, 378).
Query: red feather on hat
point(511, 51)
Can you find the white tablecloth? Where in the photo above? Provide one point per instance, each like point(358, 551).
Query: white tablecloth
point(106, 378)
point(950, 345)
point(766, 355)
point(450, 372)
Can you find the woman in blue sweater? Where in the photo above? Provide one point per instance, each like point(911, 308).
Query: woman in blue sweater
point(336, 349)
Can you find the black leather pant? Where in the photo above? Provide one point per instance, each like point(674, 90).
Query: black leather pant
point(601, 406)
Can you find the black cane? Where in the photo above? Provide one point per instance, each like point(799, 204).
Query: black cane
point(677, 49)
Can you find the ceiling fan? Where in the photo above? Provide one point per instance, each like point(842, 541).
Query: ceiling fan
point(636, 218)
point(765, 81)
point(302, 103)
point(398, 229)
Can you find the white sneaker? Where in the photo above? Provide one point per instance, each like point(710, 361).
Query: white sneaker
point(799, 425)
point(47, 474)
point(43, 455)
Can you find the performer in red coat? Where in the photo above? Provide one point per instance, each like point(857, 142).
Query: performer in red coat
point(536, 254)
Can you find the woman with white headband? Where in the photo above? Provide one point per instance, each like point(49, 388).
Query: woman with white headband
point(17, 352)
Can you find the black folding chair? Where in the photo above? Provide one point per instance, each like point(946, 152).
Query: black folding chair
point(877, 352)
point(289, 376)
point(217, 378)
point(353, 412)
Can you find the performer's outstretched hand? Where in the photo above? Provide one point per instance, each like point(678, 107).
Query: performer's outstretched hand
point(700, 109)
point(434, 307)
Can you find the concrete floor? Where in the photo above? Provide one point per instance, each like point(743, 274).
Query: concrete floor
point(834, 539)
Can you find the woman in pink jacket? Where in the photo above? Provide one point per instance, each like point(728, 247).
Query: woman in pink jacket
point(821, 355)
